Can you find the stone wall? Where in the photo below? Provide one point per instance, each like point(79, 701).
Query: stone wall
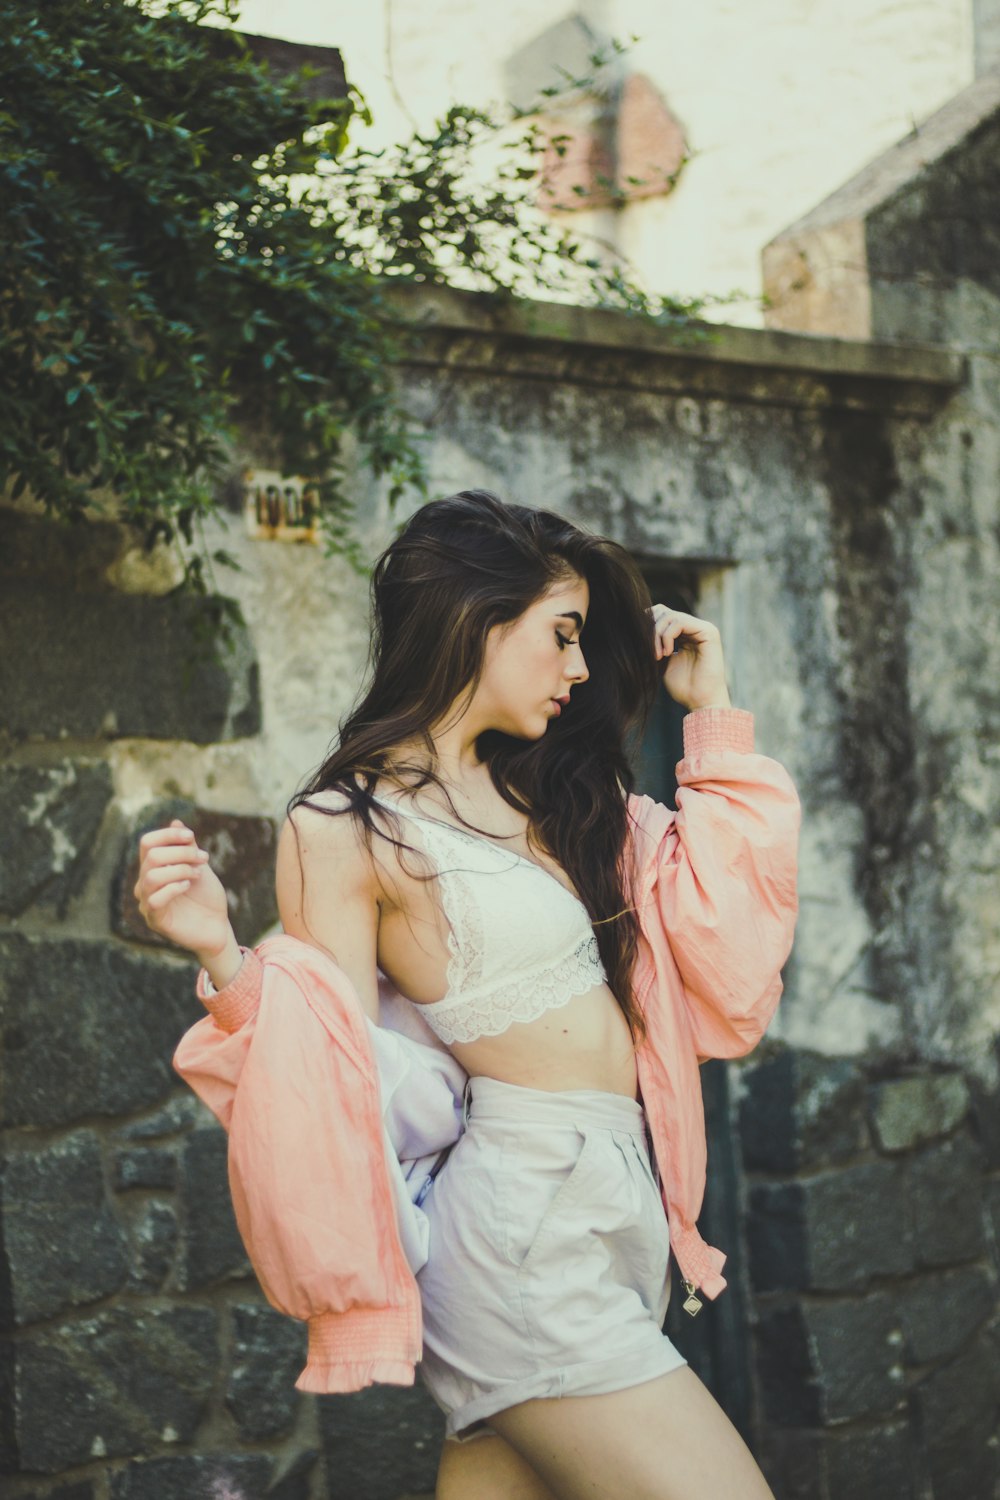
point(872, 1231)
point(795, 479)
point(140, 1361)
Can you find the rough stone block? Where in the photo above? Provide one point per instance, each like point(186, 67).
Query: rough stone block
point(956, 1408)
point(794, 1463)
point(831, 1232)
point(986, 1113)
point(114, 1385)
point(382, 1442)
point(863, 1463)
point(61, 553)
point(940, 1312)
point(858, 1357)
point(209, 1476)
point(830, 1362)
point(908, 1111)
point(83, 1490)
point(176, 680)
point(145, 1167)
point(801, 1110)
point(9, 1462)
point(872, 1462)
point(296, 1482)
point(786, 1368)
point(269, 1352)
point(241, 851)
point(89, 1028)
point(945, 1186)
point(992, 1208)
point(62, 1245)
point(181, 1111)
point(211, 1249)
point(50, 816)
point(154, 1241)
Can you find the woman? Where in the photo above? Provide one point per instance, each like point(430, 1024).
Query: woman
point(473, 837)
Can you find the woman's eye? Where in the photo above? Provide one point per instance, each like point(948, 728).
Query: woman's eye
point(562, 640)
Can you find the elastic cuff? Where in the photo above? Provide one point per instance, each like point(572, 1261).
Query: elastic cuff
point(237, 1001)
point(350, 1349)
point(718, 729)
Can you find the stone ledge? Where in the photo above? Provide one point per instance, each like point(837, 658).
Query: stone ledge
point(541, 338)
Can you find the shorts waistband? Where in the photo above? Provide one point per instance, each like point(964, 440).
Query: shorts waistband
point(491, 1100)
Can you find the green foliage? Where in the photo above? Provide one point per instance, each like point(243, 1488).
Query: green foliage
point(422, 211)
point(191, 245)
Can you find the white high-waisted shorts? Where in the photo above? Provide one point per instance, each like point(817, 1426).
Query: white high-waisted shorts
point(548, 1260)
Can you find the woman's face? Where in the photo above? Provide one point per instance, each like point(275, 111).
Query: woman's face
point(535, 663)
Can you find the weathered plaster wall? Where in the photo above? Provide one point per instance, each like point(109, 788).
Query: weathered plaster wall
point(924, 218)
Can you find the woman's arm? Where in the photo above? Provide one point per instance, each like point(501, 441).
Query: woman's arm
point(325, 899)
point(726, 866)
point(326, 893)
point(725, 887)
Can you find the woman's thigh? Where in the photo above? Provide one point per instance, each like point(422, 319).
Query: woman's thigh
point(666, 1439)
point(487, 1469)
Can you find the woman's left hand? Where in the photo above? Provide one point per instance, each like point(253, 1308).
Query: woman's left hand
point(695, 675)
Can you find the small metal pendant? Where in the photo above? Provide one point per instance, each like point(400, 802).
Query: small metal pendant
point(691, 1304)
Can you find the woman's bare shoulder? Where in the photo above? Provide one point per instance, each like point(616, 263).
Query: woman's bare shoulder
point(326, 833)
point(326, 889)
point(323, 868)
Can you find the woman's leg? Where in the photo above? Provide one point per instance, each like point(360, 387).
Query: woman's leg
point(487, 1469)
point(666, 1439)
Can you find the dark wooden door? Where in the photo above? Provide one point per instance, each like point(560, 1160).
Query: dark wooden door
point(716, 1341)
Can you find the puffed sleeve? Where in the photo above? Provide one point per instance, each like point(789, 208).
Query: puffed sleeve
point(725, 880)
point(211, 1053)
point(289, 1073)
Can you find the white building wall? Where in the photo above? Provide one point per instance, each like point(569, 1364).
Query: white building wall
point(781, 101)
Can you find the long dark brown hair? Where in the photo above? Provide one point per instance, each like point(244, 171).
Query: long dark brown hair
point(458, 567)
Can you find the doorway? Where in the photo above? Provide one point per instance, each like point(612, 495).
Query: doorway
point(716, 1342)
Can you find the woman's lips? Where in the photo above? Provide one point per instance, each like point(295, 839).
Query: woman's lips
point(556, 704)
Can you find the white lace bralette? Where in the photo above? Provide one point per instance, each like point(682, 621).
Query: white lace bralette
point(519, 942)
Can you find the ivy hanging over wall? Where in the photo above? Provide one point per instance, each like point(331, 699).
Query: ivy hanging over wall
point(191, 243)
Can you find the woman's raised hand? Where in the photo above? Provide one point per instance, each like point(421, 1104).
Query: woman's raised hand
point(695, 674)
point(179, 894)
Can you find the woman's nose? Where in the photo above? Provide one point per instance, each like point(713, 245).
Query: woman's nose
point(581, 671)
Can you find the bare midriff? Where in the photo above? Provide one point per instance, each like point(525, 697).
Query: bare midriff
point(584, 1044)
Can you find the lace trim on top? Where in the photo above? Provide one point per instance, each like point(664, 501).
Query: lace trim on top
point(463, 1018)
point(463, 1015)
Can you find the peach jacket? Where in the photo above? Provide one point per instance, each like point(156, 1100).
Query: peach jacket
point(336, 1125)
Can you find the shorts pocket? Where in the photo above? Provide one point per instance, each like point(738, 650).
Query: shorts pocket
point(644, 1161)
point(537, 1195)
